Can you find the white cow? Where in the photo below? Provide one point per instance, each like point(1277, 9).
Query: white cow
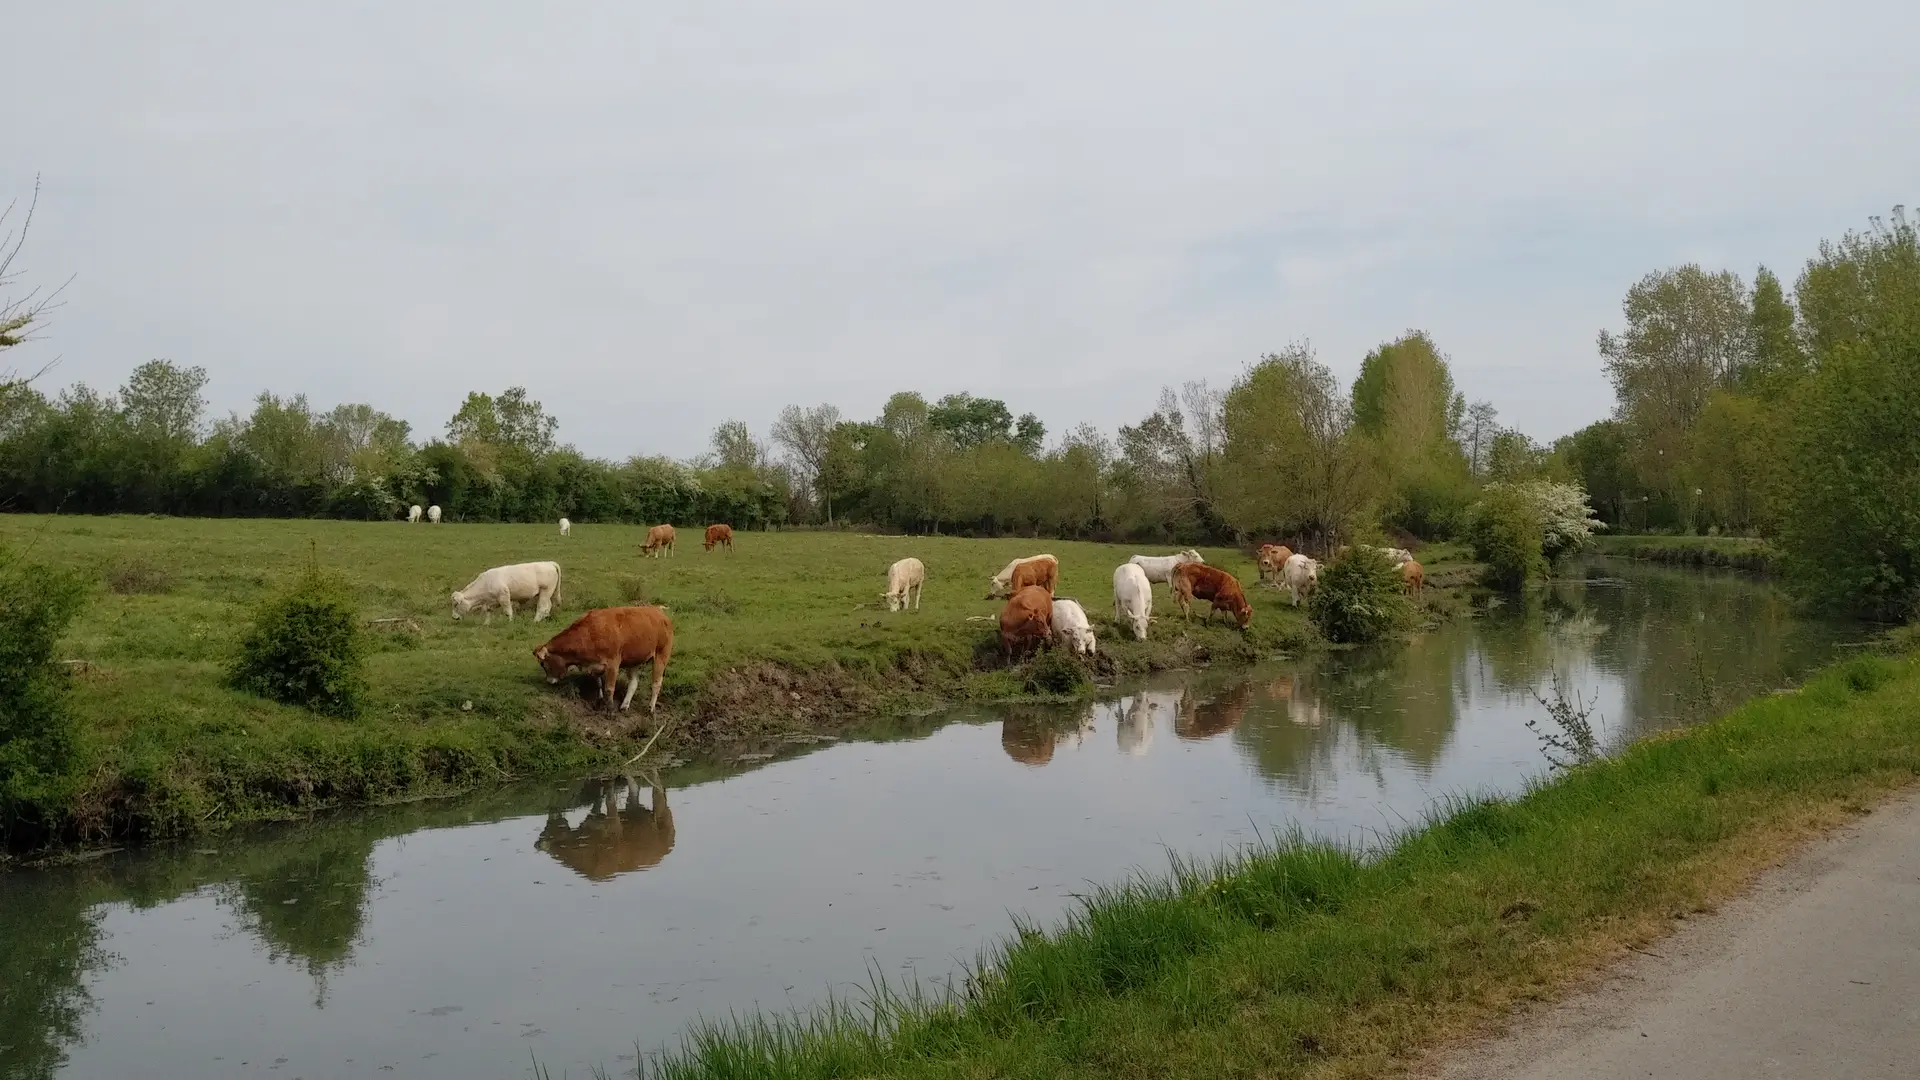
point(413, 514)
point(1001, 584)
point(433, 515)
point(1159, 568)
point(565, 526)
point(502, 585)
point(907, 575)
point(1302, 574)
point(1132, 598)
point(1399, 557)
point(1071, 628)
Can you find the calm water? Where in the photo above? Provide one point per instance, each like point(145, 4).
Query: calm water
point(463, 939)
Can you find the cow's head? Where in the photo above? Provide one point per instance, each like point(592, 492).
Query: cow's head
point(554, 667)
point(1243, 612)
point(461, 605)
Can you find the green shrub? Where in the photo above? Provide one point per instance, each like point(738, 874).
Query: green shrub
point(1505, 531)
point(1056, 672)
point(1359, 598)
point(39, 735)
point(305, 648)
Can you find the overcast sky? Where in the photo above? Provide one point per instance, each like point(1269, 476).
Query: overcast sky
point(661, 216)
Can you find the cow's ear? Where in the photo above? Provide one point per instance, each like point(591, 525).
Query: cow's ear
point(540, 653)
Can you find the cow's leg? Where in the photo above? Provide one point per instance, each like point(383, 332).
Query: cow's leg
point(610, 681)
point(633, 683)
point(542, 604)
point(659, 672)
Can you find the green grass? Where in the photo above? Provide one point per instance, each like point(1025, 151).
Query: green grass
point(1308, 960)
point(1731, 552)
point(786, 633)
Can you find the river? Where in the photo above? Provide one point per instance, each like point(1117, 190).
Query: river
point(469, 938)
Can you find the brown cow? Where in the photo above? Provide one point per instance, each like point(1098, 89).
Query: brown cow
point(1414, 577)
point(659, 540)
point(1026, 621)
point(1191, 580)
point(606, 639)
point(1272, 558)
point(719, 534)
point(612, 840)
point(1044, 573)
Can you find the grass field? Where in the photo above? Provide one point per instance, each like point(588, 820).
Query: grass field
point(1309, 961)
point(785, 633)
point(1732, 552)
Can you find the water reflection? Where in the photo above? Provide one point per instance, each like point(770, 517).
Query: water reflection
point(406, 930)
point(613, 838)
point(1030, 735)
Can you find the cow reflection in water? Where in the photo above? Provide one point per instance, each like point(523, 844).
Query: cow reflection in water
point(612, 839)
point(1303, 709)
point(1220, 714)
point(1134, 732)
point(1030, 738)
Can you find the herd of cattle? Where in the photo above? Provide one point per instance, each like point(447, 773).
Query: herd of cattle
point(605, 640)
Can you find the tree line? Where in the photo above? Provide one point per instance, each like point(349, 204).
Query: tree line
point(1283, 452)
point(1749, 410)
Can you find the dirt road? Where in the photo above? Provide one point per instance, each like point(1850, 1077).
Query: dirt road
point(1814, 973)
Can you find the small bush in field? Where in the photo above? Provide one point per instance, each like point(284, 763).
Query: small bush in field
point(1055, 672)
point(1359, 598)
point(1505, 530)
point(39, 735)
point(305, 647)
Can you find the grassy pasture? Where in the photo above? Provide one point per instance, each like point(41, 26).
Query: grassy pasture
point(785, 633)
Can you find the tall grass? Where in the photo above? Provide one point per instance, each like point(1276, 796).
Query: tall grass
point(1726, 552)
point(1301, 958)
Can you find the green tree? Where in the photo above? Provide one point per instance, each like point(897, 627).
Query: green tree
point(1688, 333)
point(1779, 361)
point(1505, 530)
point(1598, 457)
point(807, 436)
point(970, 421)
point(39, 736)
point(1291, 465)
point(1405, 407)
point(1851, 528)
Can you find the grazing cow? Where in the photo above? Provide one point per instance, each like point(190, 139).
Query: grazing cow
point(1026, 622)
point(612, 839)
point(659, 541)
point(1071, 628)
point(1042, 572)
point(566, 527)
point(1132, 599)
point(1272, 558)
point(718, 534)
point(413, 514)
point(433, 515)
point(1414, 577)
point(908, 575)
point(502, 585)
point(1198, 580)
point(1002, 583)
point(1302, 575)
point(1159, 568)
point(606, 639)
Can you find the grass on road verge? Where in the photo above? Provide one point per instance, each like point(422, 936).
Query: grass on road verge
point(1307, 961)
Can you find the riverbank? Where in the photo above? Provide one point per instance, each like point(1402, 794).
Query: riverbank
point(1305, 960)
point(785, 637)
point(1726, 552)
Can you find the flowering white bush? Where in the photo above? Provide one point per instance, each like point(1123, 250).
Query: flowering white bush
point(1566, 521)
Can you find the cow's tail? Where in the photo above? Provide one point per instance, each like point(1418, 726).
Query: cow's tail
point(558, 573)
